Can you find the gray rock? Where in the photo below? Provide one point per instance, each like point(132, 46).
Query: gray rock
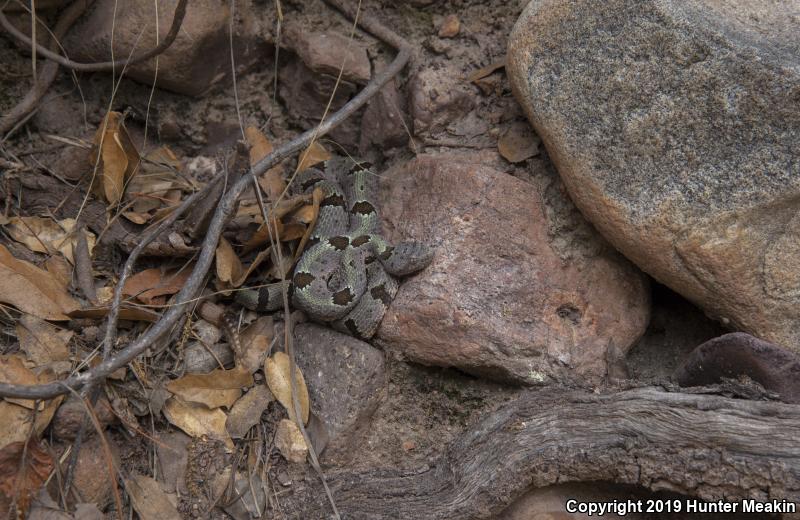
point(199, 56)
point(520, 288)
point(675, 125)
point(345, 378)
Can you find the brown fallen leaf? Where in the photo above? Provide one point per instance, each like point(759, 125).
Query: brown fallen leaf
point(149, 500)
point(44, 235)
point(60, 269)
point(32, 290)
point(149, 284)
point(485, 71)
point(42, 342)
point(316, 200)
point(116, 156)
point(271, 182)
point(255, 340)
point(217, 388)
point(13, 371)
point(518, 143)
point(276, 370)
point(197, 420)
point(23, 470)
point(246, 412)
point(314, 154)
point(17, 422)
point(125, 313)
point(290, 442)
point(156, 185)
point(229, 267)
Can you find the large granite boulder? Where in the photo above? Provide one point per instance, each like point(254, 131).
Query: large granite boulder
point(675, 125)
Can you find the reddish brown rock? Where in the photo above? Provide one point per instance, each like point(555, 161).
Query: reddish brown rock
point(736, 354)
point(69, 416)
point(509, 295)
point(199, 56)
point(94, 476)
point(327, 53)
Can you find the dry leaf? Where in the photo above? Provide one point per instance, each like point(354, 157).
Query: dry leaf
point(154, 186)
point(119, 159)
point(255, 340)
point(271, 182)
point(60, 269)
point(290, 442)
point(44, 235)
point(43, 343)
point(246, 412)
point(149, 500)
point(23, 470)
point(13, 371)
point(137, 218)
point(518, 143)
point(197, 420)
point(32, 290)
point(276, 370)
point(485, 71)
point(147, 285)
point(15, 420)
point(229, 267)
point(316, 200)
point(215, 389)
point(125, 313)
point(314, 154)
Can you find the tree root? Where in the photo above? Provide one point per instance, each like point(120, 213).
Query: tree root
point(704, 446)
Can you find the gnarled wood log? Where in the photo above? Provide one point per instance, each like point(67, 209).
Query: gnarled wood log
point(705, 446)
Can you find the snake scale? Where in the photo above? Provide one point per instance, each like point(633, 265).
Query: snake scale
point(347, 276)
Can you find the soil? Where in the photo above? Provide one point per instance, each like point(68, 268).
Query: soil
point(424, 408)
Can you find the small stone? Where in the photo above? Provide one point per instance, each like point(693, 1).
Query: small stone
point(326, 53)
point(409, 445)
point(450, 26)
point(284, 479)
point(69, 416)
point(775, 368)
point(289, 441)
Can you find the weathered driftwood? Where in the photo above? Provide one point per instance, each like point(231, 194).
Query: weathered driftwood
point(705, 446)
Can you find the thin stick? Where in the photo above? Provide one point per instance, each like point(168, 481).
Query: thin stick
point(177, 20)
point(223, 212)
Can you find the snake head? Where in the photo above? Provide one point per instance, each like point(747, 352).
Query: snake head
point(407, 257)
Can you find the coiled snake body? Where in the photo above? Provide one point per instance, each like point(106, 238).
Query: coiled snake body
point(347, 274)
